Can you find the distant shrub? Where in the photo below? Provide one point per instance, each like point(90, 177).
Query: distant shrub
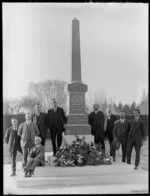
point(21, 118)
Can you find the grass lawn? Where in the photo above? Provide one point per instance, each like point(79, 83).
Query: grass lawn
point(48, 148)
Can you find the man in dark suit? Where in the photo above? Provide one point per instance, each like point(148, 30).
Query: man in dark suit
point(55, 121)
point(96, 120)
point(109, 125)
point(120, 133)
point(136, 137)
point(41, 121)
point(13, 139)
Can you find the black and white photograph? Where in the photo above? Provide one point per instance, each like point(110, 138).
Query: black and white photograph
point(75, 98)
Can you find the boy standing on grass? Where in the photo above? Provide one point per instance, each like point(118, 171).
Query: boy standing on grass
point(13, 140)
point(35, 157)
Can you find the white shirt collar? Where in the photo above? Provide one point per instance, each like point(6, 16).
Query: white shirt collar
point(96, 111)
point(137, 118)
point(122, 120)
point(28, 122)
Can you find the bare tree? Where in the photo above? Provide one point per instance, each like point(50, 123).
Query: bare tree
point(143, 106)
point(45, 91)
point(101, 98)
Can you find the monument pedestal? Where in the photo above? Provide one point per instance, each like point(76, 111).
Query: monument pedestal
point(77, 123)
point(77, 118)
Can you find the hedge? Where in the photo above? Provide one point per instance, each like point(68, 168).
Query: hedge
point(21, 118)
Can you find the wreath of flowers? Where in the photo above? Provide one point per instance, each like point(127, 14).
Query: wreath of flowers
point(80, 153)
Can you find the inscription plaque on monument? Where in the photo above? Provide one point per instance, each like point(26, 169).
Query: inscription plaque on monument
point(77, 117)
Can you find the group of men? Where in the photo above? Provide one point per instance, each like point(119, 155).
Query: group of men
point(29, 137)
point(122, 132)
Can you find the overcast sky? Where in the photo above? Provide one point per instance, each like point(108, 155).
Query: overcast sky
point(113, 39)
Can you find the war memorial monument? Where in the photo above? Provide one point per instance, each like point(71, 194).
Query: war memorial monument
point(102, 179)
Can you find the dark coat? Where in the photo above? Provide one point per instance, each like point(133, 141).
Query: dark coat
point(12, 138)
point(110, 126)
point(42, 124)
point(121, 131)
point(37, 152)
point(61, 119)
point(97, 127)
point(137, 132)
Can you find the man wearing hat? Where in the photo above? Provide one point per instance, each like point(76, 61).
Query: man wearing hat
point(120, 134)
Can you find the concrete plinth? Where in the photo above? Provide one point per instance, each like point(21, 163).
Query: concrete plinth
point(115, 178)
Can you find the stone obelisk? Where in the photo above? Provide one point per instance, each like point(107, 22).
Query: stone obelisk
point(77, 118)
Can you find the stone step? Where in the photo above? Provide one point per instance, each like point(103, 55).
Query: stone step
point(115, 174)
point(77, 129)
point(77, 119)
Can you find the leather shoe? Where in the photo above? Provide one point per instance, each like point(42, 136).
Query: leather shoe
point(136, 167)
point(26, 174)
point(13, 173)
point(30, 173)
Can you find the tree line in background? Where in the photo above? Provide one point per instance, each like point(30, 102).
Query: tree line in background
point(43, 92)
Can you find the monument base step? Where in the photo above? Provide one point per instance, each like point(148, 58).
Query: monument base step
point(114, 175)
point(77, 129)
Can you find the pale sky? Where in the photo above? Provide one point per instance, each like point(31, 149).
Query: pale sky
point(113, 40)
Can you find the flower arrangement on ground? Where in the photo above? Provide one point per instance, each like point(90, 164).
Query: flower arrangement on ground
point(80, 153)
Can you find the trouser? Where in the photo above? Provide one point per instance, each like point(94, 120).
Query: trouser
point(13, 155)
point(123, 147)
point(56, 134)
point(98, 139)
point(110, 139)
point(25, 151)
point(137, 147)
point(32, 163)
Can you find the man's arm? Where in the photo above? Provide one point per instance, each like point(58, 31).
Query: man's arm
point(7, 135)
point(37, 132)
point(45, 120)
point(103, 120)
point(143, 130)
point(64, 116)
point(41, 155)
point(90, 118)
point(20, 130)
point(48, 119)
point(115, 130)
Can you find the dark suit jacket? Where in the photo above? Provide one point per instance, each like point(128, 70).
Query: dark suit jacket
point(37, 152)
point(42, 125)
point(61, 119)
point(97, 127)
point(12, 138)
point(121, 131)
point(137, 132)
point(109, 129)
